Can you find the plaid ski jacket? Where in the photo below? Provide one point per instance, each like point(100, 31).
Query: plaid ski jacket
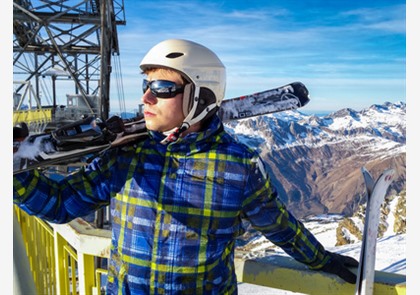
point(176, 211)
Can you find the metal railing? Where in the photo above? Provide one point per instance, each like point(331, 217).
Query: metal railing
point(62, 261)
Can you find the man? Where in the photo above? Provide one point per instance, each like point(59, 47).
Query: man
point(178, 197)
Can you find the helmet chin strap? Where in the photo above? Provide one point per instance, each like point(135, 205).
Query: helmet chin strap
point(189, 119)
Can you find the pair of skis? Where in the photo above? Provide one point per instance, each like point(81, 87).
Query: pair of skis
point(376, 192)
point(89, 136)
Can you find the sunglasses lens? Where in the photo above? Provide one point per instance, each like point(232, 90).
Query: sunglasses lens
point(162, 88)
point(145, 85)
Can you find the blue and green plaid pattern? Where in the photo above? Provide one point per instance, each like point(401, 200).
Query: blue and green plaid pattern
point(176, 211)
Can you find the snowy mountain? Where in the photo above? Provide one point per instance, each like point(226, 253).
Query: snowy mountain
point(315, 161)
point(315, 164)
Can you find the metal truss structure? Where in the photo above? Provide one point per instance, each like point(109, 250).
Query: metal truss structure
point(69, 44)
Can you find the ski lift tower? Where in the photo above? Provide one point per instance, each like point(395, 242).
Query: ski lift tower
point(66, 45)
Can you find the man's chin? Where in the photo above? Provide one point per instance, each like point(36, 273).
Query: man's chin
point(153, 127)
point(150, 126)
point(163, 129)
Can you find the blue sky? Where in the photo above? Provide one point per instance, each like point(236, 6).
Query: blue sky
point(348, 53)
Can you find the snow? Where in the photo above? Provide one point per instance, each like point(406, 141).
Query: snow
point(30, 148)
point(391, 217)
point(390, 251)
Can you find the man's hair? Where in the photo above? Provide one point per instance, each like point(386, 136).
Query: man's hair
point(166, 72)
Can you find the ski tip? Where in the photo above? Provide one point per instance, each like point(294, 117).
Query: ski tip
point(389, 174)
point(366, 172)
point(387, 177)
point(369, 181)
point(302, 92)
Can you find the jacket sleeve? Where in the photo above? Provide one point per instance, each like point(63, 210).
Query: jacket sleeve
point(60, 201)
point(268, 214)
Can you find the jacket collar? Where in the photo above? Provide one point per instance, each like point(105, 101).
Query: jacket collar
point(204, 136)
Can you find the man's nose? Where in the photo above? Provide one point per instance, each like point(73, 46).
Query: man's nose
point(149, 98)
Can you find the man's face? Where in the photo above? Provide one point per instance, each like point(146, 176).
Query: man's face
point(162, 114)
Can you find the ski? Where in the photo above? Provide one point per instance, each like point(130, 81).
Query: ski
point(75, 142)
point(89, 136)
point(288, 97)
point(376, 192)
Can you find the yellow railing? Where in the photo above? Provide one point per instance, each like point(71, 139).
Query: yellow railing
point(33, 116)
point(61, 257)
point(36, 119)
point(38, 239)
point(62, 261)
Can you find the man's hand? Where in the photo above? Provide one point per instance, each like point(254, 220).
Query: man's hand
point(339, 264)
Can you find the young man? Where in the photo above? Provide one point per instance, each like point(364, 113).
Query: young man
point(178, 197)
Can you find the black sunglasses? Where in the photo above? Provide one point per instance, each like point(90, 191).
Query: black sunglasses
point(162, 88)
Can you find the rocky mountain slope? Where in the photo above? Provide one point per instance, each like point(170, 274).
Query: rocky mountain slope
point(392, 220)
point(315, 161)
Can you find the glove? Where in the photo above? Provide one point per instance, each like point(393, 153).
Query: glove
point(20, 132)
point(338, 265)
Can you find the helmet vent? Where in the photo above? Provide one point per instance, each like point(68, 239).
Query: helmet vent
point(174, 54)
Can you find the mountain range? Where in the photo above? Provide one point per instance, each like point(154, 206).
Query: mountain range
point(315, 161)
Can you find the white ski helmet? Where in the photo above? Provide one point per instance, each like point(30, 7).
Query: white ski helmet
point(200, 66)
